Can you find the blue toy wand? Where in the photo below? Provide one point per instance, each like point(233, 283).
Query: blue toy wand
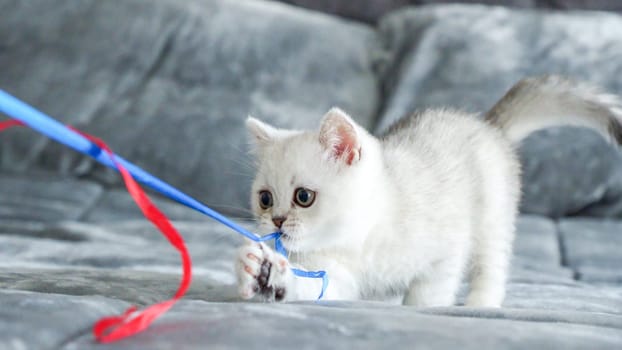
point(55, 130)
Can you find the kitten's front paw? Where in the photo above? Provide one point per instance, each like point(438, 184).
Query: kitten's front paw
point(262, 271)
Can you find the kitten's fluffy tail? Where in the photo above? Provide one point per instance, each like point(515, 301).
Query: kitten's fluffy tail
point(537, 103)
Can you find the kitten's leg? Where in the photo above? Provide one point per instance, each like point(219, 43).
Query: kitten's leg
point(262, 271)
point(438, 287)
point(491, 257)
point(488, 275)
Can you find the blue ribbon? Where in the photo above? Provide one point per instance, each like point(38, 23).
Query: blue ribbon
point(55, 130)
point(278, 246)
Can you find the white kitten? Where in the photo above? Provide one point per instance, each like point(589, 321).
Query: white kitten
point(407, 214)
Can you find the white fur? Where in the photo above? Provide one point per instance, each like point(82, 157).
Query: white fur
point(540, 102)
point(409, 214)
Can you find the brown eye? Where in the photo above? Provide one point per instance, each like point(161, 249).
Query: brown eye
point(265, 200)
point(304, 197)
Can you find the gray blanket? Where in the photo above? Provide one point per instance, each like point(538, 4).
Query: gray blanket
point(168, 84)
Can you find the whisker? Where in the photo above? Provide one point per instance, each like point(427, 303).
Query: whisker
point(244, 157)
point(251, 166)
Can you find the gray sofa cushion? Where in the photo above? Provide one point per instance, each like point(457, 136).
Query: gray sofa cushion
point(571, 171)
point(592, 248)
point(168, 84)
point(86, 271)
point(375, 9)
point(467, 57)
point(45, 197)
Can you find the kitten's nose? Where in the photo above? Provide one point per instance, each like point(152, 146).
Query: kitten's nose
point(278, 221)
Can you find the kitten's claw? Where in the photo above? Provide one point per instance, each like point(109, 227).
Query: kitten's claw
point(261, 271)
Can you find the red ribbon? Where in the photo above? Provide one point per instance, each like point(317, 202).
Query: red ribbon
point(109, 329)
point(9, 123)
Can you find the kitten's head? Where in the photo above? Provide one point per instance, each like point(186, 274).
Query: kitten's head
point(308, 182)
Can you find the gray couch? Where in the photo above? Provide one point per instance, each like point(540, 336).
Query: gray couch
point(168, 85)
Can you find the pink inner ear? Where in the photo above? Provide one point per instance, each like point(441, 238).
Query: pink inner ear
point(339, 138)
point(347, 145)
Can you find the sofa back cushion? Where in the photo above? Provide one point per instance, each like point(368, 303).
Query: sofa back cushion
point(467, 57)
point(168, 84)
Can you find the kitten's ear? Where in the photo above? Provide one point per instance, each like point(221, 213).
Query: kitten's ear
point(339, 137)
point(260, 132)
